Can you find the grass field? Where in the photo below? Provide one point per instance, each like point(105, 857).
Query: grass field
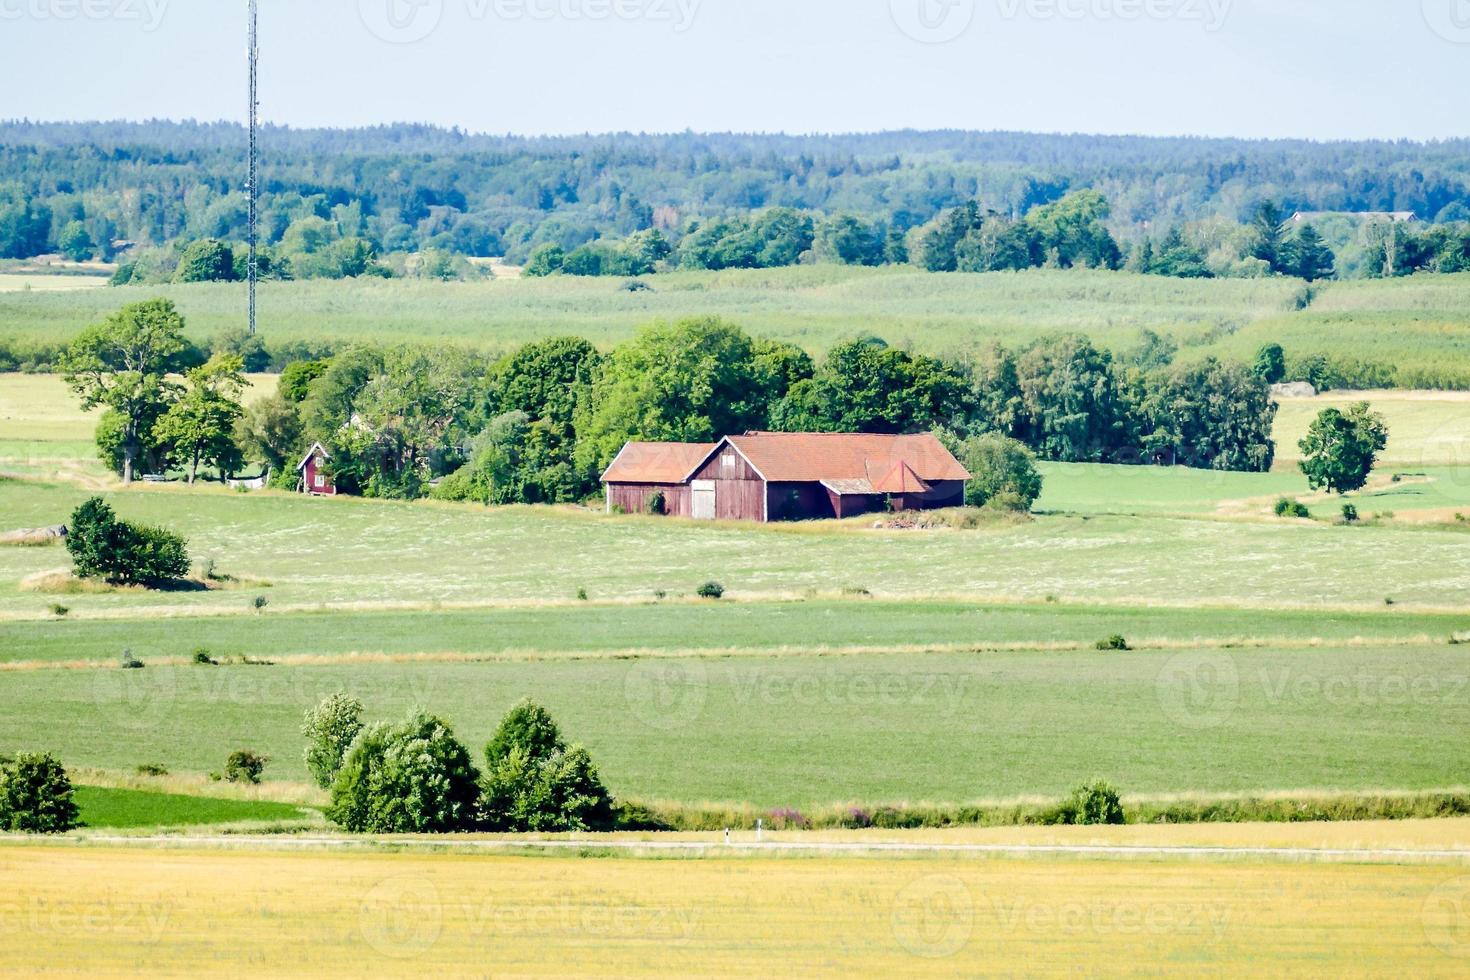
point(415, 915)
point(108, 808)
point(804, 730)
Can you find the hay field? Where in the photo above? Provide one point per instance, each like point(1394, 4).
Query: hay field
point(413, 915)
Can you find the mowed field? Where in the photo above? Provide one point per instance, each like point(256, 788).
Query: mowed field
point(203, 911)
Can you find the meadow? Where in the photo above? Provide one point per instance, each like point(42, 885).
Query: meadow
point(112, 808)
point(418, 915)
point(806, 730)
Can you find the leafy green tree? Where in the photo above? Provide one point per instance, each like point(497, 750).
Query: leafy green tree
point(330, 729)
point(270, 432)
point(103, 547)
point(1270, 364)
point(413, 777)
point(1002, 471)
point(207, 260)
point(1209, 415)
point(1341, 448)
point(546, 260)
point(535, 782)
point(24, 226)
point(867, 386)
point(201, 424)
point(297, 377)
point(75, 243)
point(36, 796)
point(1176, 257)
point(497, 472)
point(124, 364)
point(848, 240)
point(1073, 230)
point(937, 247)
point(692, 381)
point(1071, 407)
point(248, 347)
point(1308, 257)
point(997, 245)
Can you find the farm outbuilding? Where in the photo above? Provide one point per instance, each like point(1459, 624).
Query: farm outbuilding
point(315, 479)
point(775, 476)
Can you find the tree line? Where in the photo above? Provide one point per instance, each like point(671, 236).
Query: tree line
point(539, 425)
point(406, 190)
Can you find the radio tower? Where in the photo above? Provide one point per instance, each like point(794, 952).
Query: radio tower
point(253, 54)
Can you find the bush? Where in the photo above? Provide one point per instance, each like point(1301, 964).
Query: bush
point(57, 609)
point(130, 662)
point(1114, 642)
point(203, 659)
point(1286, 507)
point(654, 505)
point(413, 777)
point(36, 796)
point(245, 766)
point(1349, 514)
point(329, 729)
point(711, 590)
point(1003, 473)
point(1095, 803)
point(152, 769)
point(101, 546)
point(534, 782)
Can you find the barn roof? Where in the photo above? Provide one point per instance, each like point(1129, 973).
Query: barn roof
point(656, 462)
point(883, 461)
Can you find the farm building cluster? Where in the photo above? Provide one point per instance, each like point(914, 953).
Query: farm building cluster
point(770, 476)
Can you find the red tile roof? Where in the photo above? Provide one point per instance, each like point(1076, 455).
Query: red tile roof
point(900, 478)
point(657, 462)
point(804, 457)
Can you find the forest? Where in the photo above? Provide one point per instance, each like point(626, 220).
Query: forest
point(410, 200)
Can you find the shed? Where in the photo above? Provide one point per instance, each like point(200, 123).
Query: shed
point(315, 479)
point(653, 474)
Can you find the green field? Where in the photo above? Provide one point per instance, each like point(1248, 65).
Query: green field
point(107, 808)
point(801, 730)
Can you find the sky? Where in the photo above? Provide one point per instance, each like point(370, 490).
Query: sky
point(1319, 69)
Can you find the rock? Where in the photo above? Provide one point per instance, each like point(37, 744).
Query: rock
point(1294, 389)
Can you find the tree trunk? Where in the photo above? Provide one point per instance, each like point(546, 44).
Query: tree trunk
point(194, 468)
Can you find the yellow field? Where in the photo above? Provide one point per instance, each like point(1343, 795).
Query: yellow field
point(19, 282)
point(1426, 428)
point(105, 912)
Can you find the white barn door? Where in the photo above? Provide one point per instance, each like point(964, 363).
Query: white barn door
point(702, 500)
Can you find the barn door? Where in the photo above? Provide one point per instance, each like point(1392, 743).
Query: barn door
point(702, 500)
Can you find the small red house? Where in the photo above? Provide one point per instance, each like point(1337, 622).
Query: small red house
point(774, 476)
point(314, 477)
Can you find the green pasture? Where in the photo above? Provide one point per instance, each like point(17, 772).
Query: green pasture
point(1426, 428)
point(815, 306)
point(675, 627)
point(104, 808)
point(1086, 488)
point(344, 552)
point(810, 730)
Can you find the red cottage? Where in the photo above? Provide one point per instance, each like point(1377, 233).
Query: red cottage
point(770, 476)
point(313, 469)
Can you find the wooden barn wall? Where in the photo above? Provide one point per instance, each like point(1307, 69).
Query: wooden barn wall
point(944, 493)
point(728, 466)
point(740, 493)
point(632, 498)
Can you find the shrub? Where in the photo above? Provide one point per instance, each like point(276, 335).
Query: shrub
point(329, 729)
point(1114, 642)
point(245, 766)
point(711, 590)
point(413, 777)
point(1286, 507)
point(1349, 514)
point(153, 769)
point(259, 603)
point(36, 796)
point(789, 819)
point(130, 662)
point(535, 782)
point(203, 659)
point(654, 505)
point(101, 546)
point(1003, 473)
point(57, 609)
point(1091, 804)
point(582, 594)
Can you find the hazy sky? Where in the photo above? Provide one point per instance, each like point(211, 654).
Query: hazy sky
point(1313, 68)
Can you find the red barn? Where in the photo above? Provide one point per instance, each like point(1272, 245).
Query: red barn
point(314, 477)
point(771, 476)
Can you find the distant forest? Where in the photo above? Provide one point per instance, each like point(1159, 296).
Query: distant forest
point(342, 202)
